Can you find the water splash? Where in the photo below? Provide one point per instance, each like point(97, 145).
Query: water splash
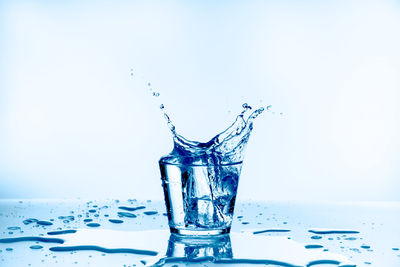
point(225, 148)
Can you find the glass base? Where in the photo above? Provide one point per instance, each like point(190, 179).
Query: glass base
point(200, 233)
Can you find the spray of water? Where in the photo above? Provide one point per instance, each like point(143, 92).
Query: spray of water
point(225, 148)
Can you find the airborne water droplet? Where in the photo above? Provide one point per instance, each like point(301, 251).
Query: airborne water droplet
point(269, 107)
point(162, 106)
point(246, 106)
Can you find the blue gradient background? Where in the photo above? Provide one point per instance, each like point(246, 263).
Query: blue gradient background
point(73, 123)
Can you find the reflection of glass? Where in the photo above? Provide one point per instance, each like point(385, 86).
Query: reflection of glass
point(200, 199)
point(194, 248)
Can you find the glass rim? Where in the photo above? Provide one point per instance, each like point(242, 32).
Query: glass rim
point(165, 162)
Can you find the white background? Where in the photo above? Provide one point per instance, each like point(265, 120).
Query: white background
point(74, 123)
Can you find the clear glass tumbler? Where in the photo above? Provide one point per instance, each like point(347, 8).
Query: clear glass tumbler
point(200, 199)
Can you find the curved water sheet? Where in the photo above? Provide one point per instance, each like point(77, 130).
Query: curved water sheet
point(160, 247)
point(225, 148)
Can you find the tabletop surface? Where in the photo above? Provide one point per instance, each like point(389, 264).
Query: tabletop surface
point(65, 232)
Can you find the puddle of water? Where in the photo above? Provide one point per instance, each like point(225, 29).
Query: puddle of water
point(161, 247)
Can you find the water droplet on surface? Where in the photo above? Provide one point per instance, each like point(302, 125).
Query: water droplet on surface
point(68, 218)
point(150, 212)
point(272, 231)
point(126, 214)
point(45, 223)
point(9, 249)
point(332, 231)
point(36, 247)
point(62, 232)
point(30, 220)
point(313, 246)
point(87, 220)
point(93, 224)
point(131, 208)
point(13, 228)
point(116, 221)
point(316, 237)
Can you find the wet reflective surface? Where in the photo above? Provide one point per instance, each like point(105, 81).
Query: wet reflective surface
point(135, 233)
